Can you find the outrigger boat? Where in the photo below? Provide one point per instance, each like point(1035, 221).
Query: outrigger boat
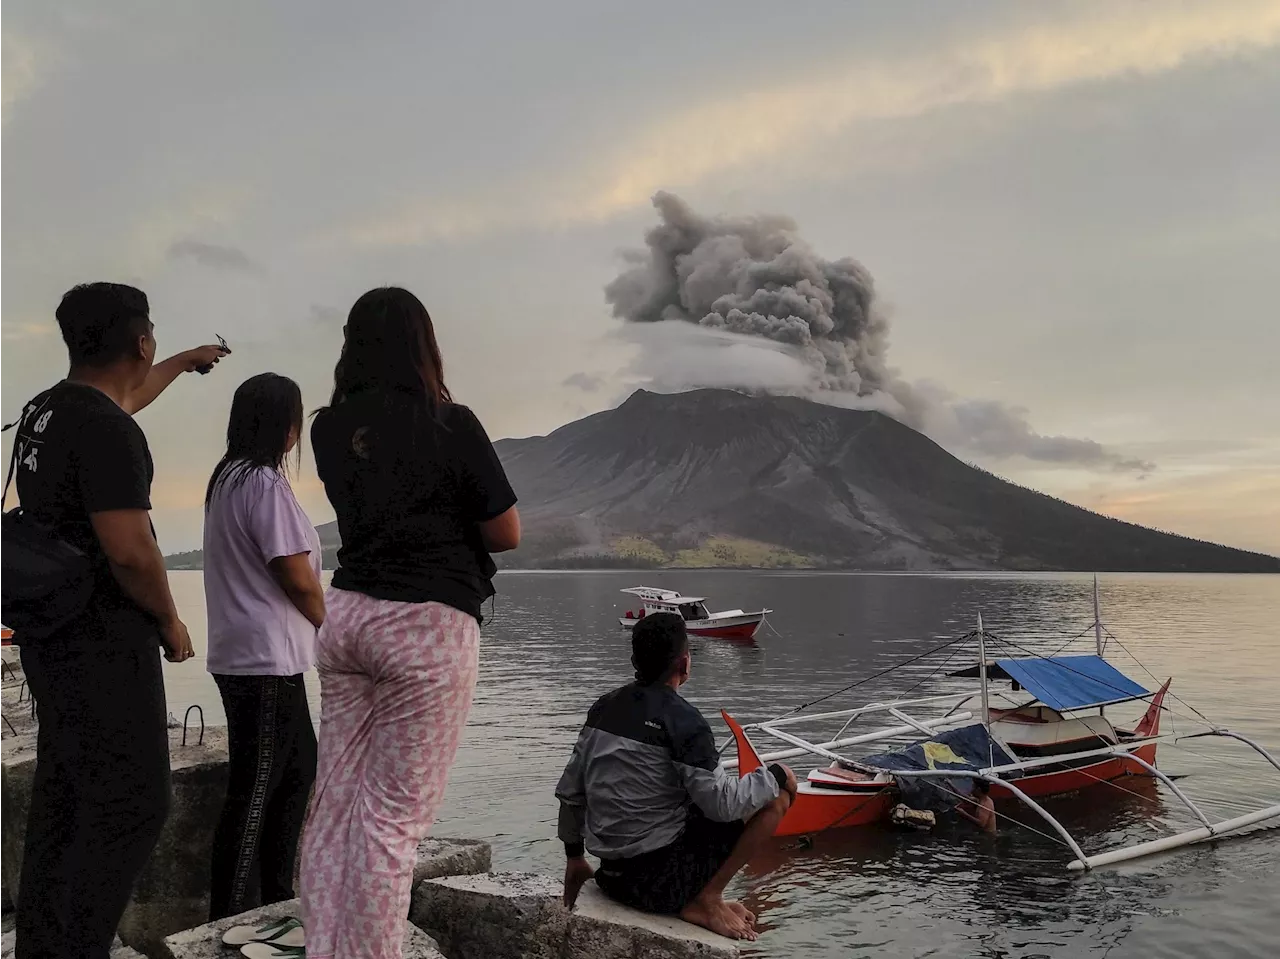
point(698, 620)
point(1030, 749)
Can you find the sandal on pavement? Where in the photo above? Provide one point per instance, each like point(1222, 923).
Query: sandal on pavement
point(268, 950)
point(281, 932)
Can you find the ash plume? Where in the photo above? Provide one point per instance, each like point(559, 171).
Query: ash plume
point(746, 284)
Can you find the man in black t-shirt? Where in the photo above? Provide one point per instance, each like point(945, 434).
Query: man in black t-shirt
point(101, 789)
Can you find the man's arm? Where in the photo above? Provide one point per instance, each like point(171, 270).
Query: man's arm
point(166, 371)
point(571, 790)
point(721, 797)
point(960, 808)
point(113, 473)
point(138, 566)
point(571, 827)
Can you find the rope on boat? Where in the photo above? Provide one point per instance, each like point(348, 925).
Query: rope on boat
point(1205, 719)
point(1010, 644)
point(883, 672)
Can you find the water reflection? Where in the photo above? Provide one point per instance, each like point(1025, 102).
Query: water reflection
point(554, 645)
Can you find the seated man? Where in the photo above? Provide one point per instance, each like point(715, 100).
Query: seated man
point(644, 791)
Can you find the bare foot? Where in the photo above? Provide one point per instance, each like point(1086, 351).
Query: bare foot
point(742, 911)
point(715, 914)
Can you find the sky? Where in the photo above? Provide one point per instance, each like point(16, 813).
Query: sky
point(1070, 208)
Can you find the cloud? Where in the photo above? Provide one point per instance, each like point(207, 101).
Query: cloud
point(1236, 504)
point(26, 62)
point(215, 257)
point(30, 329)
point(789, 117)
point(584, 382)
point(1000, 430)
point(327, 316)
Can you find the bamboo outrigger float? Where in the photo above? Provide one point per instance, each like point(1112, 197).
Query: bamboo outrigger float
point(1028, 750)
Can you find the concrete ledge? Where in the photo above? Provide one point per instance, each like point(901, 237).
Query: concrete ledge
point(493, 915)
point(602, 929)
point(451, 857)
point(205, 942)
point(172, 892)
point(7, 945)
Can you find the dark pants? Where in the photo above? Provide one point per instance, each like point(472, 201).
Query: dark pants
point(100, 795)
point(272, 766)
point(666, 880)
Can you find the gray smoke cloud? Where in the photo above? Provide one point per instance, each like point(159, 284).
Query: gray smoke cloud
point(215, 257)
point(326, 316)
point(755, 282)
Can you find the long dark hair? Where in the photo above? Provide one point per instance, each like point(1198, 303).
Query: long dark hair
point(264, 411)
point(390, 347)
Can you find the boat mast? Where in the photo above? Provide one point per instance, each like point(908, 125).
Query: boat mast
point(1097, 629)
point(982, 671)
point(982, 677)
point(1097, 617)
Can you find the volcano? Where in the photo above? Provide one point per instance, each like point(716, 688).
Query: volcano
point(721, 478)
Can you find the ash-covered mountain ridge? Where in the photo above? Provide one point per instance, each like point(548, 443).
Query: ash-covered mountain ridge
point(833, 486)
point(722, 478)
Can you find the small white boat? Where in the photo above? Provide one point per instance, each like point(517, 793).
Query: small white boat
point(698, 620)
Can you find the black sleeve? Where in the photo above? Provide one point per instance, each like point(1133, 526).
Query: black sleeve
point(487, 491)
point(112, 465)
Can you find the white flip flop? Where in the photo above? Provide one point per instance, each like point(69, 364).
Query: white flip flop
point(286, 932)
point(268, 950)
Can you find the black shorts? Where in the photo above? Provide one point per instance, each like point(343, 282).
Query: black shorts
point(668, 879)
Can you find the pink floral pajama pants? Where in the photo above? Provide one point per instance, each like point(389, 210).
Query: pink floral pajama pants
point(395, 687)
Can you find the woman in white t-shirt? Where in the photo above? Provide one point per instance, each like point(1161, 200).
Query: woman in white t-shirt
point(265, 603)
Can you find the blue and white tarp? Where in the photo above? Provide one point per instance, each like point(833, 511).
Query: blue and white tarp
point(1072, 682)
point(969, 747)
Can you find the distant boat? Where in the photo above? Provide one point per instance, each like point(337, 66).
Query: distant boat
point(698, 620)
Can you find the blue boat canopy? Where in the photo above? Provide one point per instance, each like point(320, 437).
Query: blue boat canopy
point(1072, 682)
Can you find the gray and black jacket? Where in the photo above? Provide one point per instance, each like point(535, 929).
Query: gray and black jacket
point(643, 760)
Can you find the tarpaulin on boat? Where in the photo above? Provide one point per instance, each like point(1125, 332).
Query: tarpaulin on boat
point(969, 747)
point(1072, 682)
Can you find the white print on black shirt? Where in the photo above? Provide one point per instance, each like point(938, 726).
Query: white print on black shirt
point(27, 448)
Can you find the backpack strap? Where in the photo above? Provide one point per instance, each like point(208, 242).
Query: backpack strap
point(13, 461)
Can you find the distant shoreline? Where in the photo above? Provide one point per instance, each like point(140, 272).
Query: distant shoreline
point(835, 570)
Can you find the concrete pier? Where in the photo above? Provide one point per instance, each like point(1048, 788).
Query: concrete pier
point(172, 892)
point(509, 915)
point(459, 910)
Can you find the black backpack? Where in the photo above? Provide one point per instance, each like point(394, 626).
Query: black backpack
point(46, 581)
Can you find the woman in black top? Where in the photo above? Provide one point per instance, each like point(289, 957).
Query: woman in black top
point(422, 501)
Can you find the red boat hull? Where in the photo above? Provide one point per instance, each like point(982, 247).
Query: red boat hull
point(815, 810)
point(739, 631)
